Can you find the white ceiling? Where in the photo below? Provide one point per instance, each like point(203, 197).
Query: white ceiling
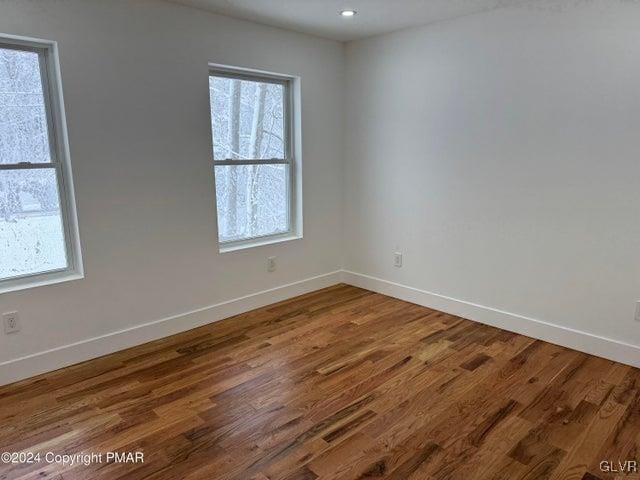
point(320, 17)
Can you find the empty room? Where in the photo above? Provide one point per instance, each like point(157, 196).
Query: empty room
point(319, 239)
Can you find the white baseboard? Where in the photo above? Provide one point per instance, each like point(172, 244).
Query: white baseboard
point(49, 360)
point(549, 332)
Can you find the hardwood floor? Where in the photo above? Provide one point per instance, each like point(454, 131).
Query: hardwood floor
point(341, 383)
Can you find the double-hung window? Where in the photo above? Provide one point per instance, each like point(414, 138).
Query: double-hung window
point(38, 232)
point(253, 153)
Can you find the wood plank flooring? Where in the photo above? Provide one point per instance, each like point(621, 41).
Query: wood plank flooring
point(341, 383)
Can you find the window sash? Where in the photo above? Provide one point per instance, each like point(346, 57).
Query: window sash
point(291, 227)
point(43, 53)
point(287, 106)
point(63, 214)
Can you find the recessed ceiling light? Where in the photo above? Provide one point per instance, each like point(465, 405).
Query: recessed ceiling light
point(348, 13)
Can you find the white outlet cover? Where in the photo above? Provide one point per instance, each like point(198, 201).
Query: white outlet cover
point(637, 317)
point(11, 322)
point(271, 264)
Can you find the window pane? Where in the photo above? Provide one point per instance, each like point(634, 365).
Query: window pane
point(247, 119)
point(31, 232)
point(252, 201)
point(23, 121)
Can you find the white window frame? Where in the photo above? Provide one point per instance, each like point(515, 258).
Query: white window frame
point(60, 161)
point(291, 108)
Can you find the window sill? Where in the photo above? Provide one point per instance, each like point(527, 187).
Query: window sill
point(257, 242)
point(39, 281)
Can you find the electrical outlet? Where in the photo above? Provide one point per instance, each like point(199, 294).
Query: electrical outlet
point(271, 264)
point(397, 259)
point(11, 322)
point(637, 317)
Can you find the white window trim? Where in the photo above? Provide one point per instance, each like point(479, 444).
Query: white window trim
point(61, 161)
point(293, 155)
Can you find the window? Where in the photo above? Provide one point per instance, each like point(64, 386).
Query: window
point(38, 233)
point(255, 169)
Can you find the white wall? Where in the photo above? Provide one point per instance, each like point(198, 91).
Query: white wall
point(500, 153)
point(135, 80)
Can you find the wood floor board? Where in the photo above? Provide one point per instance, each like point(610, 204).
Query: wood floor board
point(339, 384)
